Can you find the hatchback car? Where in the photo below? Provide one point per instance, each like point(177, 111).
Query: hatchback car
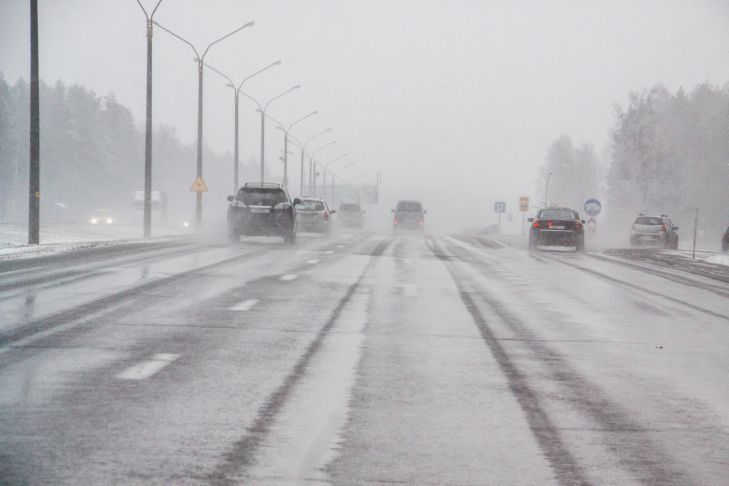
point(262, 209)
point(351, 215)
point(557, 227)
point(654, 230)
point(314, 215)
point(409, 215)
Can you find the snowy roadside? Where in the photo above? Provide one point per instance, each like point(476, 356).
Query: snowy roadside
point(64, 238)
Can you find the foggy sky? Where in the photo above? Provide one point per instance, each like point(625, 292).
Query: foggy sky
point(454, 101)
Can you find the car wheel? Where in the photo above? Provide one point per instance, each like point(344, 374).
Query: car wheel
point(532, 242)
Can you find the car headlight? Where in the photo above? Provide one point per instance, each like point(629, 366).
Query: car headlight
point(94, 221)
point(186, 224)
point(108, 221)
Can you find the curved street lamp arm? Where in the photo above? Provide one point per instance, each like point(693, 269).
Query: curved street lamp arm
point(336, 159)
point(180, 38)
point(232, 84)
point(275, 63)
point(301, 119)
point(322, 148)
point(316, 136)
point(252, 99)
point(149, 16)
point(249, 24)
point(280, 95)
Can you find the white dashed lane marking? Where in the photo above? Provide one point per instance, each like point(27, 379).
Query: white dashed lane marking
point(145, 369)
point(245, 305)
point(410, 290)
point(312, 262)
point(288, 277)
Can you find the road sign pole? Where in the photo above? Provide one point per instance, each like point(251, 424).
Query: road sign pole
point(523, 219)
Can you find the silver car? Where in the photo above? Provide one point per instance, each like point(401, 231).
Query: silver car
point(654, 231)
point(314, 215)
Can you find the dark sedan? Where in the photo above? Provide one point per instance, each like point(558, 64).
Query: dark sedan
point(725, 241)
point(557, 227)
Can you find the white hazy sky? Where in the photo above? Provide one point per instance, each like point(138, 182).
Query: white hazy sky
point(454, 101)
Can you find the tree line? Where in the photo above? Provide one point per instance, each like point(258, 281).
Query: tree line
point(668, 153)
point(92, 155)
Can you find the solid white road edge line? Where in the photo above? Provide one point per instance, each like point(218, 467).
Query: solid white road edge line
point(288, 277)
point(312, 262)
point(145, 369)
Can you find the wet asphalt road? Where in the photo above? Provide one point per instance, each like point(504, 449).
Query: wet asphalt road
point(360, 359)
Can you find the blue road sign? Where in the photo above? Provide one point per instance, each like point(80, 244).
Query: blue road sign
point(593, 207)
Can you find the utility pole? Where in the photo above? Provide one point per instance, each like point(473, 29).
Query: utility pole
point(34, 167)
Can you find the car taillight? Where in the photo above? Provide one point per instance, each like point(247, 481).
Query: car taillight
point(549, 224)
point(397, 222)
point(663, 227)
point(421, 221)
point(578, 225)
point(326, 216)
point(535, 224)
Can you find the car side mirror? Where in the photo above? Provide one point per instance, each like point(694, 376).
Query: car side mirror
point(230, 198)
point(332, 211)
point(425, 211)
point(531, 220)
point(582, 221)
point(676, 228)
point(297, 201)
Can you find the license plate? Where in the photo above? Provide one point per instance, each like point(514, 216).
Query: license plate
point(557, 227)
point(259, 210)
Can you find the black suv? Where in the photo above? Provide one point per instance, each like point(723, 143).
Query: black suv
point(557, 226)
point(262, 209)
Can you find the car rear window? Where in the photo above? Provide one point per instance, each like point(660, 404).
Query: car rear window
point(310, 206)
point(558, 214)
point(648, 220)
point(349, 207)
point(409, 206)
point(261, 196)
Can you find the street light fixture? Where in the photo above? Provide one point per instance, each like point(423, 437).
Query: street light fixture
point(262, 109)
point(200, 63)
point(303, 150)
point(287, 132)
point(326, 171)
point(312, 166)
point(237, 87)
point(147, 231)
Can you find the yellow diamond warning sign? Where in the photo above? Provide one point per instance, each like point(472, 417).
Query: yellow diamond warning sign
point(199, 185)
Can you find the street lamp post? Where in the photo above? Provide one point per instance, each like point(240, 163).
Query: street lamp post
point(236, 88)
point(546, 191)
point(326, 171)
point(147, 231)
point(200, 63)
point(312, 166)
point(335, 175)
point(303, 150)
point(287, 135)
point(262, 109)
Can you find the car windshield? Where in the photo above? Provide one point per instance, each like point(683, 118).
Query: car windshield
point(102, 213)
point(349, 207)
point(558, 213)
point(409, 206)
point(648, 220)
point(309, 205)
point(261, 196)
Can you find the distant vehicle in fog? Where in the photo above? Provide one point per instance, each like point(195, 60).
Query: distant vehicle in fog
point(101, 216)
point(351, 215)
point(557, 227)
point(654, 230)
point(409, 215)
point(313, 215)
point(262, 209)
point(725, 241)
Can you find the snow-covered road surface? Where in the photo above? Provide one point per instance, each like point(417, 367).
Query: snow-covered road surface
point(362, 359)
